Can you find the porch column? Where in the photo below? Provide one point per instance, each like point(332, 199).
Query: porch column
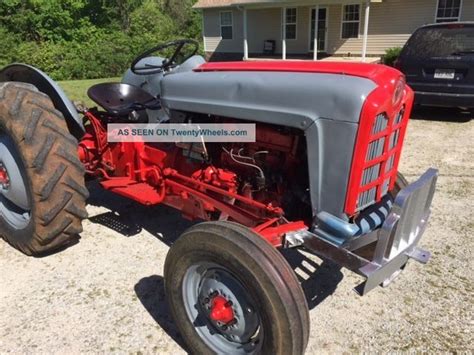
point(283, 44)
point(366, 30)
point(316, 34)
point(246, 43)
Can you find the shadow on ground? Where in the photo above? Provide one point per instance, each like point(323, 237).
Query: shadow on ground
point(443, 114)
point(318, 280)
point(130, 218)
point(151, 293)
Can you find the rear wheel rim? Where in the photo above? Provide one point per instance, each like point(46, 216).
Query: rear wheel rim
point(15, 205)
point(204, 282)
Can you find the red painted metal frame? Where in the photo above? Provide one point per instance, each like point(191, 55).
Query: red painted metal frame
point(143, 173)
point(378, 102)
point(274, 231)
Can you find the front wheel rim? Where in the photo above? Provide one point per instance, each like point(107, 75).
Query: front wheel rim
point(204, 286)
point(15, 205)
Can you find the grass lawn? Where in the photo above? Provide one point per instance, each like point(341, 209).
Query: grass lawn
point(76, 90)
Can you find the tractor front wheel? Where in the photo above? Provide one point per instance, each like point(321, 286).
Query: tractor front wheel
point(42, 191)
point(231, 292)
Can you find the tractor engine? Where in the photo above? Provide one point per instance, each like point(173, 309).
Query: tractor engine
point(271, 172)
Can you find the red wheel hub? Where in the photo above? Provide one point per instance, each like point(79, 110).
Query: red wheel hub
point(221, 310)
point(4, 179)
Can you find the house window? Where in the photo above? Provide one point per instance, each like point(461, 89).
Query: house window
point(350, 21)
point(290, 22)
point(226, 25)
point(448, 10)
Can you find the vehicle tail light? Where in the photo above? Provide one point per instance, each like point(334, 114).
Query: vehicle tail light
point(378, 148)
point(453, 26)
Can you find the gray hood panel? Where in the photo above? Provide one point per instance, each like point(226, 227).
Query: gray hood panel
point(290, 99)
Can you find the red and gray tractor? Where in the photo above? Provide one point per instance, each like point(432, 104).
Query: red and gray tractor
point(322, 174)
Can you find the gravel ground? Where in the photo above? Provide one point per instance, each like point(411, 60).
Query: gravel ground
point(105, 294)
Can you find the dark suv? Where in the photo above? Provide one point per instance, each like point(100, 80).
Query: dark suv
point(438, 61)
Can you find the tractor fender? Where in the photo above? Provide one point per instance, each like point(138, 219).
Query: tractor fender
point(27, 74)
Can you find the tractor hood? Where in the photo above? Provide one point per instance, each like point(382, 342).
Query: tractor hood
point(322, 98)
point(287, 93)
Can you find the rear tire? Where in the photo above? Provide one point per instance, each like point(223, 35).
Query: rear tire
point(42, 156)
point(248, 271)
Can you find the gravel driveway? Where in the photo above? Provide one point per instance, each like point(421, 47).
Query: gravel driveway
point(105, 294)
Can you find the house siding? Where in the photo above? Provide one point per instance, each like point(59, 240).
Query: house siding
point(213, 41)
point(300, 45)
point(467, 13)
point(391, 24)
point(264, 24)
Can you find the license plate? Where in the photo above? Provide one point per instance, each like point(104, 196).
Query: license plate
point(444, 73)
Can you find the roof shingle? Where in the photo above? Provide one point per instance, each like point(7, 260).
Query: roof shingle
point(203, 4)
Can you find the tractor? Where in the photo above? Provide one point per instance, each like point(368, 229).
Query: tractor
point(322, 175)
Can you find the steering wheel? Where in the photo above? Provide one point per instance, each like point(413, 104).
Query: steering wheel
point(148, 69)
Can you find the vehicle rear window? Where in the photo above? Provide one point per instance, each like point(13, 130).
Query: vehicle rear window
point(441, 41)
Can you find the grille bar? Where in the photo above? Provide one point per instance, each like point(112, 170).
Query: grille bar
point(382, 151)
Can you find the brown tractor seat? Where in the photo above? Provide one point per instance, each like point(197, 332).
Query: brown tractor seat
point(122, 99)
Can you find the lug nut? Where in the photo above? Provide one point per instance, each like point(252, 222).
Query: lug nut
point(229, 304)
point(213, 294)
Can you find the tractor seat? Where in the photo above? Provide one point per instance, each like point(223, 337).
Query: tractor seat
point(122, 99)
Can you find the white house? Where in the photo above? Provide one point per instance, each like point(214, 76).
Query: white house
point(236, 29)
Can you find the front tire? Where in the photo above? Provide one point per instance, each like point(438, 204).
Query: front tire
point(42, 189)
point(232, 292)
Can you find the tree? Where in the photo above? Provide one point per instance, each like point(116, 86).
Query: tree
point(79, 39)
point(121, 10)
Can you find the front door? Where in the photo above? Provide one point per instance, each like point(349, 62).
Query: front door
point(322, 28)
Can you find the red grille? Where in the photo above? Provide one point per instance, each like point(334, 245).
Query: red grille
point(378, 149)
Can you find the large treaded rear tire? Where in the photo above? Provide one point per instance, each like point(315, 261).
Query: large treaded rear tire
point(51, 170)
point(263, 272)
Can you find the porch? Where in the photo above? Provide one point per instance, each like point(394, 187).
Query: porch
point(304, 31)
point(345, 30)
point(321, 57)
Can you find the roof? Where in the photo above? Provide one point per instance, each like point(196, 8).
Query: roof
point(375, 72)
point(204, 4)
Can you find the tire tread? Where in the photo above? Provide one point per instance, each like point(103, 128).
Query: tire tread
point(55, 174)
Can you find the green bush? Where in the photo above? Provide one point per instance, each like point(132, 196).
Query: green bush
point(88, 39)
point(9, 44)
point(391, 55)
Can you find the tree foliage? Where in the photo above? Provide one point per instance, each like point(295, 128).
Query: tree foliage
point(82, 39)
